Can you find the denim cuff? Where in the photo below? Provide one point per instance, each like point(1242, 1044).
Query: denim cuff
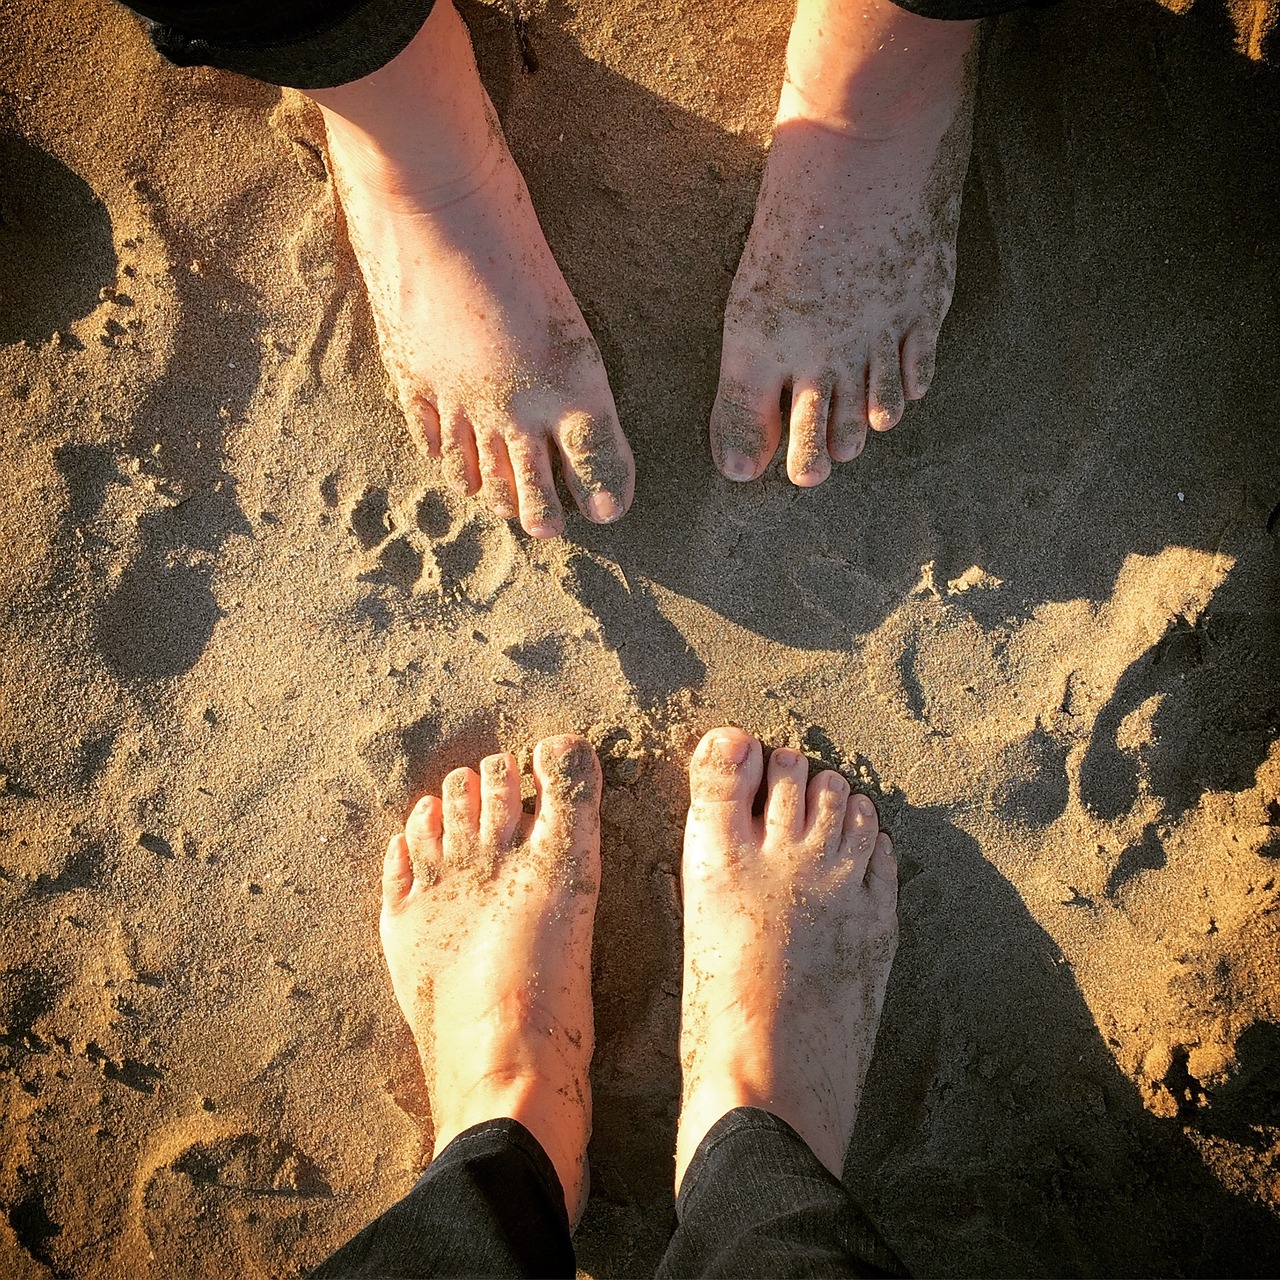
point(494, 1136)
point(738, 1121)
point(765, 1187)
point(965, 10)
point(336, 50)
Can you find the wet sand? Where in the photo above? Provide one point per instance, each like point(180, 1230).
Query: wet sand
point(243, 625)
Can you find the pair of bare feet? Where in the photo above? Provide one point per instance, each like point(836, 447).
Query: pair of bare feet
point(837, 304)
point(790, 928)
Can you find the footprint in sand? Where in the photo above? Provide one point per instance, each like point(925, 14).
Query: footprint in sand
point(423, 552)
point(260, 1189)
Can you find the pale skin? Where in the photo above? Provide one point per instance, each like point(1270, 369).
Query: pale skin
point(790, 930)
point(847, 273)
point(494, 366)
point(849, 267)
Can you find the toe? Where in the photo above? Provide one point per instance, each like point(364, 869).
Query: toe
point(807, 460)
point(724, 776)
point(566, 774)
point(784, 808)
point(884, 387)
point(460, 797)
point(458, 451)
point(397, 873)
point(882, 871)
point(825, 807)
point(919, 350)
point(423, 834)
point(424, 424)
point(496, 479)
point(847, 418)
point(540, 512)
point(501, 812)
point(861, 826)
point(598, 466)
point(746, 425)
point(424, 827)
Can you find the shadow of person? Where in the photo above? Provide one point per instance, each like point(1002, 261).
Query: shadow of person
point(49, 217)
point(1110, 345)
point(1212, 689)
point(998, 1136)
point(1110, 348)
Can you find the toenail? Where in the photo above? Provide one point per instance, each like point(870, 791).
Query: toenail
point(733, 751)
point(836, 783)
point(864, 807)
point(737, 465)
point(603, 508)
point(785, 759)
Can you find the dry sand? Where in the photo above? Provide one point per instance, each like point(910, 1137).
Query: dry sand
point(242, 625)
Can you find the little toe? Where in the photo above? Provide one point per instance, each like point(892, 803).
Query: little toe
point(861, 826)
point(567, 776)
point(460, 800)
point(724, 776)
point(784, 808)
point(501, 813)
point(847, 418)
point(919, 355)
point(397, 873)
point(541, 514)
point(825, 808)
point(885, 403)
point(458, 451)
point(497, 481)
point(808, 463)
point(598, 465)
point(746, 425)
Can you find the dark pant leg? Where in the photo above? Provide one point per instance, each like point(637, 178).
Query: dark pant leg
point(755, 1201)
point(952, 10)
point(305, 44)
point(490, 1204)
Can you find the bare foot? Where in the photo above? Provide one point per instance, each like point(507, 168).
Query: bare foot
point(487, 917)
point(850, 265)
point(790, 928)
point(494, 365)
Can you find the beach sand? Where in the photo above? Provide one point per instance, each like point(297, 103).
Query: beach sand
point(243, 626)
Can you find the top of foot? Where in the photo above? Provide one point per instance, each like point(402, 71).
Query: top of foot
point(849, 267)
point(493, 363)
point(487, 919)
point(789, 935)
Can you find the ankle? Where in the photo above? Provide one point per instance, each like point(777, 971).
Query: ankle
point(560, 1128)
point(423, 121)
point(869, 68)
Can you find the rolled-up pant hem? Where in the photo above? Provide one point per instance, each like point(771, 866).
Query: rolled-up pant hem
point(350, 41)
point(344, 48)
point(756, 1201)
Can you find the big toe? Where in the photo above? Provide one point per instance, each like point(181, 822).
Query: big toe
point(598, 465)
point(724, 776)
point(567, 775)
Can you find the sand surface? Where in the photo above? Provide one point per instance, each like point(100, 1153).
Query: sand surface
point(242, 626)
